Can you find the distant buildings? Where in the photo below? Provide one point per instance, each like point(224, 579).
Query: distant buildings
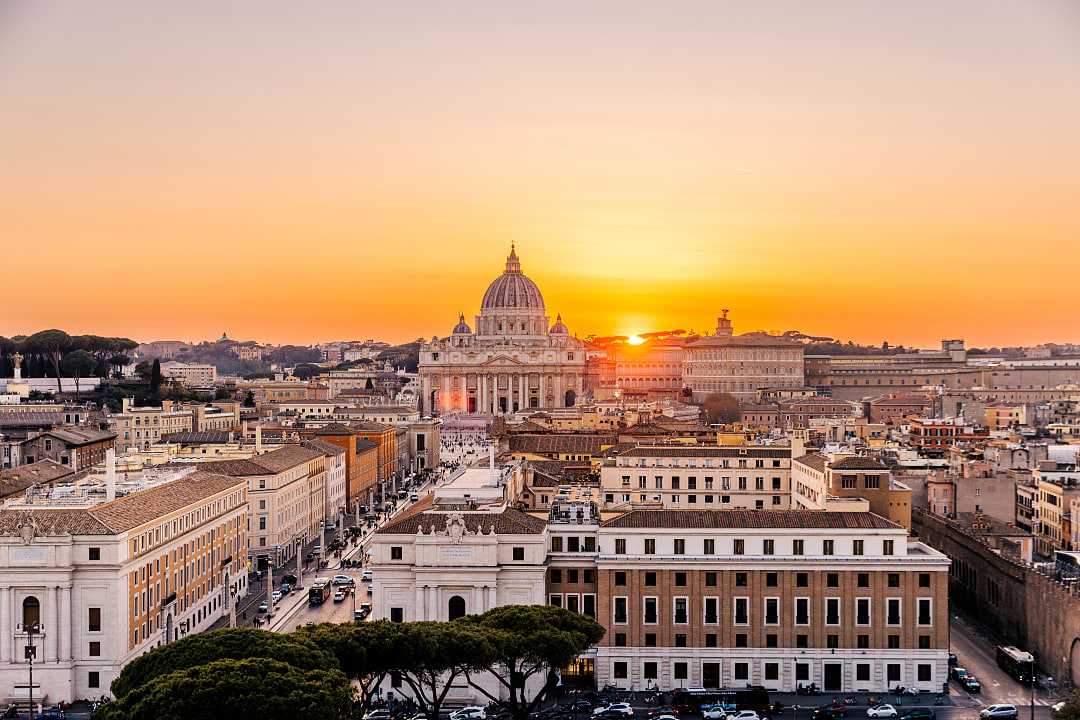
point(190, 374)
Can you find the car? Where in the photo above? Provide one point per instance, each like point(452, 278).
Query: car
point(469, 712)
point(958, 673)
point(263, 606)
point(50, 713)
point(339, 595)
point(414, 497)
point(971, 684)
point(619, 708)
point(362, 612)
point(366, 576)
point(714, 712)
point(285, 589)
point(881, 711)
point(743, 715)
point(341, 580)
point(378, 715)
point(999, 712)
point(276, 595)
point(666, 717)
point(953, 660)
point(329, 525)
point(662, 711)
point(1058, 706)
point(607, 713)
point(919, 714)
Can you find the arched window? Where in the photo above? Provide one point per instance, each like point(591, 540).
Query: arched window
point(31, 612)
point(456, 607)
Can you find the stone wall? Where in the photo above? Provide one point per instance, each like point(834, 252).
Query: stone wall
point(1021, 605)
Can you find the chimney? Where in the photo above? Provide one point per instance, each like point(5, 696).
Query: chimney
point(258, 439)
point(110, 474)
point(125, 404)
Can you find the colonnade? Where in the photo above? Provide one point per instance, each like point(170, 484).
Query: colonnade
point(497, 392)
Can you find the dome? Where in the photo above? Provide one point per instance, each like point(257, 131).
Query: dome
point(462, 328)
point(512, 289)
point(558, 328)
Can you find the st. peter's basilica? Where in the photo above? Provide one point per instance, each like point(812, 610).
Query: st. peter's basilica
point(513, 360)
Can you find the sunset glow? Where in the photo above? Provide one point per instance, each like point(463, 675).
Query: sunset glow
point(654, 164)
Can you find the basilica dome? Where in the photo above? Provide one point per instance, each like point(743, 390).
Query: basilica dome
point(512, 289)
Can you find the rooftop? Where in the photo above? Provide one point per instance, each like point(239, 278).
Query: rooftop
point(751, 519)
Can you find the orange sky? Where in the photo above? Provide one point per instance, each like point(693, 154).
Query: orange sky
point(870, 171)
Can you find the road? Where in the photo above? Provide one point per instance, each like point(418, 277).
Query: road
point(975, 653)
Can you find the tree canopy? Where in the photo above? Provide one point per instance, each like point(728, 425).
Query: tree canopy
point(721, 408)
point(431, 656)
point(365, 652)
point(235, 643)
point(254, 687)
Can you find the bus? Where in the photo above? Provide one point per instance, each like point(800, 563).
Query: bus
point(1016, 663)
point(319, 592)
point(694, 700)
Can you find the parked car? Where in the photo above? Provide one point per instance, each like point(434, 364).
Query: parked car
point(714, 712)
point(953, 660)
point(881, 711)
point(51, 713)
point(379, 714)
point(470, 712)
point(366, 576)
point(276, 595)
point(342, 580)
point(971, 683)
point(620, 708)
point(329, 525)
point(999, 712)
point(828, 712)
point(743, 715)
point(339, 595)
point(919, 714)
point(263, 606)
point(285, 589)
point(958, 673)
point(666, 717)
point(663, 710)
point(414, 497)
point(362, 612)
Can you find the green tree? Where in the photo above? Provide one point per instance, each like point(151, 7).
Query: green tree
point(531, 641)
point(155, 377)
point(431, 656)
point(50, 345)
point(228, 689)
point(77, 364)
point(249, 399)
point(365, 652)
point(306, 371)
point(234, 644)
point(721, 408)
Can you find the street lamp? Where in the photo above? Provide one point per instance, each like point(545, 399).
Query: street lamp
point(29, 653)
point(1031, 679)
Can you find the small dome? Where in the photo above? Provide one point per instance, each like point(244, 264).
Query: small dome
point(512, 289)
point(462, 328)
point(558, 328)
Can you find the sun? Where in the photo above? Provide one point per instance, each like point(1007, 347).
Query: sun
point(635, 340)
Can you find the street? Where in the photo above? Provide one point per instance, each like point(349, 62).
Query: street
point(976, 654)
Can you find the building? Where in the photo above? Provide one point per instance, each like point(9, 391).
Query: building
point(190, 374)
point(77, 446)
point(896, 409)
point(361, 464)
point(139, 427)
point(105, 580)
point(711, 598)
point(336, 477)
point(1056, 486)
point(42, 473)
point(740, 364)
point(937, 434)
point(1002, 416)
point(820, 481)
point(513, 361)
point(698, 477)
point(651, 370)
point(386, 441)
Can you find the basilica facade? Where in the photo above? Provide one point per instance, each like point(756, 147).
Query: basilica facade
point(513, 360)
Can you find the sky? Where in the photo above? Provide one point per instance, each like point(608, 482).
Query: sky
point(301, 172)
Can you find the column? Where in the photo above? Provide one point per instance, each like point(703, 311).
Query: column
point(524, 392)
point(492, 597)
point(543, 389)
point(52, 632)
point(6, 627)
point(497, 378)
point(482, 394)
point(65, 623)
point(444, 394)
point(418, 608)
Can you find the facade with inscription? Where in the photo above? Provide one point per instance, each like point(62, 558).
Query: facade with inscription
point(513, 360)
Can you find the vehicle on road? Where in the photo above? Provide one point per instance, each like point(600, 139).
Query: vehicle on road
point(414, 497)
point(829, 712)
point(342, 580)
point(361, 613)
point(366, 576)
point(919, 714)
point(693, 700)
point(339, 595)
point(276, 595)
point(621, 708)
point(971, 683)
point(958, 673)
point(881, 711)
point(319, 592)
point(1016, 663)
point(744, 715)
point(470, 712)
point(263, 606)
point(666, 717)
point(379, 714)
point(329, 525)
point(50, 713)
point(658, 712)
point(953, 660)
point(285, 589)
point(999, 712)
point(714, 712)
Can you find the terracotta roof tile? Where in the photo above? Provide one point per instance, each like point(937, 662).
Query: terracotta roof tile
point(507, 522)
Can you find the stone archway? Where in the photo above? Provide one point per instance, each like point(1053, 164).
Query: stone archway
point(455, 608)
point(571, 398)
point(1074, 662)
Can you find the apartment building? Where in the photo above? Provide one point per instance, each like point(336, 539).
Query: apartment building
point(77, 447)
point(101, 579)
point(821, 481)
point(361, 463)
point(336, 477)
point(139, 427)
point(1056, 484)
point(698, 477)
point(191, 374)
point(287, 494)
point(711, 598)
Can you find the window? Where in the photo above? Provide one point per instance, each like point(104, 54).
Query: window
point(769, 546)
point(742, 616)
point(650, 612)
point(620, 639)
point(555, 600)
point(650, 639)
point(802, 611)
point(802, 580)
point(925, 608)
point(862, 642)
point(772, 640)
point(740, 579)
point(455, 608)
point(94, 553)
point(740, 546)
point(680, 579)
point(862, 672)
point(93, 619)
point(573, 544)
point(827, 547)
point(924, 642)
point(924, 580)
point(711, 611)
point(926, 672)
point(772, 671)
point(556, 576)
point(395, 552)
point(650, 578)
point(847, 482)
point(887, 547)
point(95, 649)
point(894, 580)
point(862, 611)
point(832, 611)
point(519, 554)
point(650, 546)
point(31, 612)
point(648, 670)
point(802, 641)
point(680, 671)
point(710, 640)
point(892, 615)
point(710, 579)
point(618, 670)
point(680, 546)
point(802, 671)
point(709, 547)
point(620, 578)
point(892, 673)
point(857, 547)
point(572, 576)
point(556, 543)
point(742, 671)
point(681, 605)
point(832, 580)
point(893, 642)
point(620, 548)
point(619, 609)
point(740, 640)
point(93, 679)
point(588, 605)
point(772, 611)
point(680, 640)
point(797, 547)
point(832, 641)
point(397, 614)
point(863, 580)
point(771, 579)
